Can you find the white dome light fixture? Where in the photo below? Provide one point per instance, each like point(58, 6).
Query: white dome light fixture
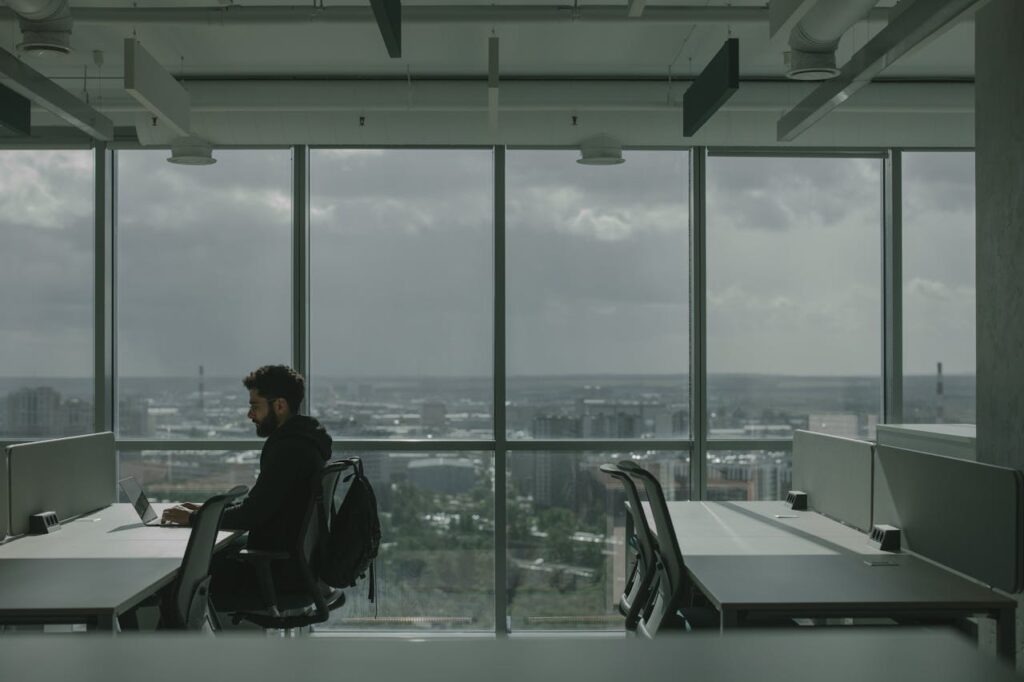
point(191, 151)
point(600, 150)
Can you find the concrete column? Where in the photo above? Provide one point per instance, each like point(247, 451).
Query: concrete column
point(999, 179)
point(999, 135)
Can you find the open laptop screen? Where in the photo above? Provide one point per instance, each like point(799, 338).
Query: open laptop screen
point(138, 499)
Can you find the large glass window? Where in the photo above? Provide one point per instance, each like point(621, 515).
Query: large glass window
point(567, 535)
point(402, 293)
point(188, 475)
point(597, 296)
point(938, 287)
point(435, 570)
point(46, 274)
point(204, 288)
point(794, 298)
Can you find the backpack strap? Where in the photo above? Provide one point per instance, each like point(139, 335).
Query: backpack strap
point(372, 593)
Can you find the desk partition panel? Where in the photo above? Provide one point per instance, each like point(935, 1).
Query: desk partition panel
point(963, 514)
point(835, 473)
point(70, 476)
point(5, 497)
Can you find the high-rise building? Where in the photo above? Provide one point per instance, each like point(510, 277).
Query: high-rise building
point(33, 412)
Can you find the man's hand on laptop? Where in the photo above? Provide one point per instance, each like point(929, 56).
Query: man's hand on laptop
point(179, 515)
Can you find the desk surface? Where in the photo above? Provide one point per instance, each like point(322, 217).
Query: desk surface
point(799, 656)
point(110, 533)
point(760, 555)
point(100, 565)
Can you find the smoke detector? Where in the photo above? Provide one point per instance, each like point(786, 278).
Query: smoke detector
point(191, 151)
point(600, 150)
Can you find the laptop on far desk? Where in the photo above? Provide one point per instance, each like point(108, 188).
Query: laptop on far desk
point(140, 502)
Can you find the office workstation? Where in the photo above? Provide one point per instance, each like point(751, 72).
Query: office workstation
point(812, 557)
point(507, 246)
point(97, 561)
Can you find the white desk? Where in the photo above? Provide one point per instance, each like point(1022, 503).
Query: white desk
point(750, 557)
point(92, 570)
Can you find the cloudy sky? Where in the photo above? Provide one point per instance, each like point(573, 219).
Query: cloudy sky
point(597, 263)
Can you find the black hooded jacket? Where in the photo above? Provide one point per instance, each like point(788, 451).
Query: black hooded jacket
point(272, 512)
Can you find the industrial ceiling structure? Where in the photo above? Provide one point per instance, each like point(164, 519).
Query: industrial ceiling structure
point(813, 73)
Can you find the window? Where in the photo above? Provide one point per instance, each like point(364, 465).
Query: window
point(435, 569)
point(597, 296)
point(204, 289)
point(567, 535)
point(938, 287)
point(46, 273)
point(794, 298)
point(402, 298)
point(749, 475)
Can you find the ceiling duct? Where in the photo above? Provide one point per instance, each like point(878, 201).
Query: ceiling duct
point(45, 26)
point(813, 41)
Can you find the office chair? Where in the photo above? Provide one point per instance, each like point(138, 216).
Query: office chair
point(637, 591)
point(187, 607)
point(670, 604)
point(286, 610)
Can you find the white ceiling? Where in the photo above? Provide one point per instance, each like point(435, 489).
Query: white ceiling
point(583, 49)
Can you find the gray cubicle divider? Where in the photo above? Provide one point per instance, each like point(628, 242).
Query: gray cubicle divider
point(965, 515)
point(835, 473)
point(70, 476)
point(5, 497)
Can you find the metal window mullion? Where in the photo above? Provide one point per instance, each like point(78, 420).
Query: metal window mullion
point(698, 323)
point(104, 415)
point(300, 269)
point(892, 288)
point(501, 620)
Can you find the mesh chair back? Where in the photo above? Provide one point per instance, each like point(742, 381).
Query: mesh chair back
point(646, 546)
point(673, 585)
point(191, 590)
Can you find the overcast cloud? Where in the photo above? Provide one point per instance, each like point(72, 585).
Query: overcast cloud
point(597, 264)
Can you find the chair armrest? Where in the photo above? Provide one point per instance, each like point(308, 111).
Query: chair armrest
point(262, 556)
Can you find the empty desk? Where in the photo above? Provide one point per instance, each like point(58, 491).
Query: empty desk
point(92, 570)
point(750, 557)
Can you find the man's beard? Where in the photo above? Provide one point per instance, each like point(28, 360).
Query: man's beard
point(267, 425)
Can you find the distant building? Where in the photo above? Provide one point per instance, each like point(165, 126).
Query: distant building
point(75, 416)
point(448, 476)
point(33, 412)
point(836, 424)
point(433, 415)
point(554, 426)
point(133, 417)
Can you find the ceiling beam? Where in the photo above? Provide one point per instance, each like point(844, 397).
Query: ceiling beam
point(231, 15)
point(492, 82)
point(29, 83)
point(15, 114)
point(388, 14)
point(783, 15)
point(719, 81)
point(917, 22)
point(155, 89)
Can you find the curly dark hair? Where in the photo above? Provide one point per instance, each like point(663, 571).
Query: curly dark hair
point(278, 381)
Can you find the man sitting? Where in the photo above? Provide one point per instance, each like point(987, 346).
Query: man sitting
point(294, 453)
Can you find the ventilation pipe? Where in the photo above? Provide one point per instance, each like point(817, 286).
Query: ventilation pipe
point(45, 26)
point(814, 39)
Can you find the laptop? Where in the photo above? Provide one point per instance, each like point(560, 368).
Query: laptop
point(139, 501)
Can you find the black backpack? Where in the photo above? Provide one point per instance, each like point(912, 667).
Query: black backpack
point(353, 539)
